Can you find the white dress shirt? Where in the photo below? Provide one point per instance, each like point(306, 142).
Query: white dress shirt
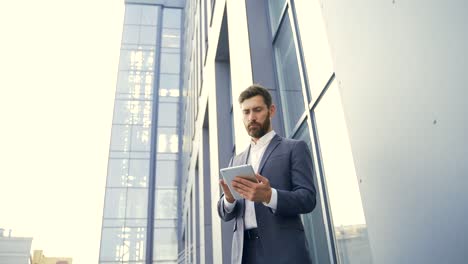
point(257, 149)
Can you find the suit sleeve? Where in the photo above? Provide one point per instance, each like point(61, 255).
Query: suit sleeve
point(301, 198)
point(223, 214)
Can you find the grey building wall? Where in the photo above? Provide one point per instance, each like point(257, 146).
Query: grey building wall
point(401, 72)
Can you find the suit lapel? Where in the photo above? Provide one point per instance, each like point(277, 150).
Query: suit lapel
point(273, 144)
point(245, 158)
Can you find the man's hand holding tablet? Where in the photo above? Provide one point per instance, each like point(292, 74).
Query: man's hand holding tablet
point(241, 182)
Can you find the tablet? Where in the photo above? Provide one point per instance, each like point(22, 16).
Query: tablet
point(244, 171)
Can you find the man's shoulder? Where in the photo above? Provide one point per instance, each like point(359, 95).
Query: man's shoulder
point(292, 142)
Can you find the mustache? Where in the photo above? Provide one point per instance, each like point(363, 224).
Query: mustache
point(253, 123)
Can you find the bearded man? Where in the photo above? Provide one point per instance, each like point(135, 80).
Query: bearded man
point(267, 226)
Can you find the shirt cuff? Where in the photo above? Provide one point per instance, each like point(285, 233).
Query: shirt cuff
point(273, 200)
point(228, 207)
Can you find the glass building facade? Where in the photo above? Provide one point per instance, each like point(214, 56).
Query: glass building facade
point(140, 210)
point(177, 122)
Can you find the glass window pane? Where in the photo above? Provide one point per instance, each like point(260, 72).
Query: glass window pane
point(111, 244)
point(165, 246)
point(138, 174)
point(137, 203)
point(290, 87)
point(114, 206)
point(170, 63)
point(141, 138)
point(148, 35)
point(158, 223)
point(120, 138)
point(275, 6)
point(141, 112)
point(135, 85)
point(122, 112)
point(149, 15)
point(169, 85)
point(134, 244)
point(132, 14)
point(166, 203)
point(341, 181)
point(117, 173)
point(166, 173)
point(312, 225)
point(130, 34)
point(170, 38)
point(138, 84)
point(168, 140)
point(137, 60)
point(167, 116)
point(172, 18)
point(140, 155)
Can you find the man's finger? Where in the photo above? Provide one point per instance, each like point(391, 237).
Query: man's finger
point(260, 178)
point(240, 187)
point(244, 182)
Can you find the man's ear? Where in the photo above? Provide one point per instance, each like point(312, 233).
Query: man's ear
point(272, 110)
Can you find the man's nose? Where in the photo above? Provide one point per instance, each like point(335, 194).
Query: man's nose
point(252, 117)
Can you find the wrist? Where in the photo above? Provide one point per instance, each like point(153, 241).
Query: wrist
point(230, 199)
point(268, 196)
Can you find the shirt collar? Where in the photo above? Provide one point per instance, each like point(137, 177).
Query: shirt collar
point(265, 140)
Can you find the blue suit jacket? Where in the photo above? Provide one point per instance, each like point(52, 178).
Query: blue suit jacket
point(288, 165)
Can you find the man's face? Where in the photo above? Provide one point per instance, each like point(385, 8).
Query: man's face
point(256, 116)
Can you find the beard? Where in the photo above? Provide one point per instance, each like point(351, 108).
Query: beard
point(257, 130)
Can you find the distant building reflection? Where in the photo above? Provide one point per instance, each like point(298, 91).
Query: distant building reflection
point(353, 246)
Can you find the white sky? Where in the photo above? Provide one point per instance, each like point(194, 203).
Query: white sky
point(58, 68)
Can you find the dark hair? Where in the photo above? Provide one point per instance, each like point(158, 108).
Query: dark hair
point(254, 90)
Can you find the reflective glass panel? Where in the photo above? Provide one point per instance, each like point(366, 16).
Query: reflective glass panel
point(165, 223)
point(111, 244)
point(138, 84)
point(138, 174)
point(313, 223)
point(166, 203)
point(142, 113)
point(341, 181)
point(134, 244)
point(137, 203)
point(167, 116)
point(122, 112)
point(169, 85)
point(168, 140)
point(170, 38)
point(148, 35)
point(114, 206)
point(130, 34)
point(170, 63)
point(292, 99)
point(120, 138)
point(137, 60)
point(117, 173)
point(141, 138)
point(149, 15)
point(132, 14)
point(172, 18)
point(275, 6)
point(165, 246)
point(166, 173)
